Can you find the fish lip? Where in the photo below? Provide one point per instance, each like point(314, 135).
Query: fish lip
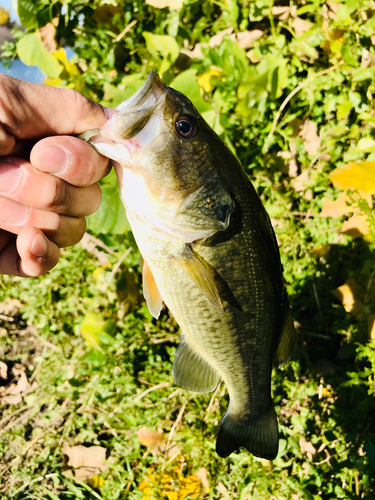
point(147, 96)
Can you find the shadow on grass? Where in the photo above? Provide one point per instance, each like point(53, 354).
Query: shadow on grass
point(330, 340)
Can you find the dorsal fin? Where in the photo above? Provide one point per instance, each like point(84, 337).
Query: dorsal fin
point(151, 293)
point(200, 274)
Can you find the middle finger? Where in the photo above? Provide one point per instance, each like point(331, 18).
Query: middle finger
point(20, 181)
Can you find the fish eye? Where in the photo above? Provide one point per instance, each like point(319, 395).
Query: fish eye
point(186, 126)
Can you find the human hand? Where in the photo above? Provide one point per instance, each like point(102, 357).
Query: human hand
point(45, 195)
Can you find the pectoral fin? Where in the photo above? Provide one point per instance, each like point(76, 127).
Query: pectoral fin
point(199, 273)
point(287, 340)
point(151, 293)
point(191, 371)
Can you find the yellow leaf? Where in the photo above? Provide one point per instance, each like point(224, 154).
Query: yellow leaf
point(91, 328)
point(96, 481)
point(4, 16)
point(98, 272)
point(319, 251)
point(371, 327)
point(161, 4)
point(348, 295)
point(326, 393)
point(205, 79)
point(356, 226)
point(53, 82)
point(355, 176)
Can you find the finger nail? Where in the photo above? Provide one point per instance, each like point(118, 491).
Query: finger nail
point(12, 213)
point(54, 160)
point(39, 248)
point(10, 176)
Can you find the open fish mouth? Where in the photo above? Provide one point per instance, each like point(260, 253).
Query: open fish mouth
point(147, 96)
point(131, 115)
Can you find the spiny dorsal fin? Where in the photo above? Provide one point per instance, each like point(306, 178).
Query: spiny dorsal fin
point(151, 293)
point(287, 340)
point(191, 371)
point(199, 273)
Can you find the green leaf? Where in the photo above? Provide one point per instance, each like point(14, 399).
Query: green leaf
point(344, 109)
point(370, 450)
point(27, 11)
point(186, 83)
point(32, 52)
point(164, 46)
point(111, 217)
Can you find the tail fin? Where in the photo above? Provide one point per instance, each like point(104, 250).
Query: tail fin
point(258, 434)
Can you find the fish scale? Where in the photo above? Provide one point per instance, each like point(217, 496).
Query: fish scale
point(209, 253)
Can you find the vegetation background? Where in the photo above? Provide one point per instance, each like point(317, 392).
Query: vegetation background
point(89, 408)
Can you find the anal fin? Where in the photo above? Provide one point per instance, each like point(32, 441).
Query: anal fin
point(199, 273)
point(191, 371)
point(151, 293)
point(257, 433)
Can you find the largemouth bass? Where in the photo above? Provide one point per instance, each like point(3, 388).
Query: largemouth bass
point(209, 253)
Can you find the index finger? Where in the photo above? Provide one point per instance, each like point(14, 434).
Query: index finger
point(32, 111)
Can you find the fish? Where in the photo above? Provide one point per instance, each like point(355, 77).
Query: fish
point(209, 253)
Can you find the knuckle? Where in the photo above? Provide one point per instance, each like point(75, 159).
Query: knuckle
point(95, 199)
point(56, 195)
point(79, 231)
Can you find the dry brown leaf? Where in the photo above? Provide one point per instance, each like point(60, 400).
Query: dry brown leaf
point(151, 439)
point(10, 307)
point(223, 490)
point(161, 4)
point(329, 11)
point(47, 34)
point(348, 296)
point(246, 39)
point(291, 168)
point(14, 383)
point(202, 475)
point(307, 447)
point(90, 244)
point(86, 461)
point(300, 183)
point(371, 327)
point(252, 55)
point(368, 59)
point(219, 37)
point(356, 226)
point(105, 13)
point(309, 135)
point(284, 13)
point(300, 26)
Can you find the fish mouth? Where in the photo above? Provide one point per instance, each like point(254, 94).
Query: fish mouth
point(114, 139)
point(148, 96)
